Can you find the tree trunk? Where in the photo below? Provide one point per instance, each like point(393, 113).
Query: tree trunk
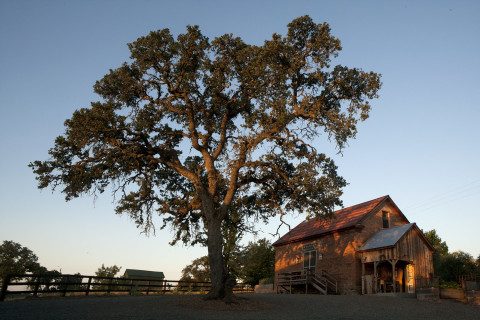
point(221, 285)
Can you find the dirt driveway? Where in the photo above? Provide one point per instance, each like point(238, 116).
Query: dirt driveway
point(291, 307)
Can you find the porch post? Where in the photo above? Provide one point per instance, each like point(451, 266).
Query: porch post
point(375, 276)
point(394, 276)
point(363, 277)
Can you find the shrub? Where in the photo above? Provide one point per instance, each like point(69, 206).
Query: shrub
point(266, 281)
point(449, 284)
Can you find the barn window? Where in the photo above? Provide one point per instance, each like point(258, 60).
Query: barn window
point(310, 260)
point(386, 219)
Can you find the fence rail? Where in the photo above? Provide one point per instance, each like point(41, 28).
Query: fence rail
point(467, 277)
point(43, 284)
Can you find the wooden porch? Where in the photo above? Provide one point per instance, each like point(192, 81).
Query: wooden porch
point(322, 282)
point(399, 277)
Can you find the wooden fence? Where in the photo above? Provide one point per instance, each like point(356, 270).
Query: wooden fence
point(467, 277)
point(42, 285)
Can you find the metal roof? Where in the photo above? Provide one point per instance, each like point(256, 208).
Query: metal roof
point(386, 237)
point(343, 219)
point(144, 273)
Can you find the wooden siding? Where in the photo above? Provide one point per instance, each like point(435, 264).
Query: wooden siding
point(411, 248)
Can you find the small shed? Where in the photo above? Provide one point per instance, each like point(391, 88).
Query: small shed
point(144, 280)
point(144, 275)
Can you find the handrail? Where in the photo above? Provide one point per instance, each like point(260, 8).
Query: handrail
point(330, 279)
point(320, 282)
point(323, 279)
point(291, 276)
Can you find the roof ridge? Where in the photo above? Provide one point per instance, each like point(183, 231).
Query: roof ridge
point(363, 203)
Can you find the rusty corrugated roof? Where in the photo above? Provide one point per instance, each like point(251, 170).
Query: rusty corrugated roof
point(344, 218)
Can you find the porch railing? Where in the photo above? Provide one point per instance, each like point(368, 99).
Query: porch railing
point(332, 283)
point(322, 281)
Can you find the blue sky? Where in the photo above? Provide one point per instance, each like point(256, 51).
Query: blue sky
point(421, 144)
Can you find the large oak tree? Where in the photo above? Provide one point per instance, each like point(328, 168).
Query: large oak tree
point(211, 134)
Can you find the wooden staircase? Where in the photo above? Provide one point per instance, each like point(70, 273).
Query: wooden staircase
point(322, 282)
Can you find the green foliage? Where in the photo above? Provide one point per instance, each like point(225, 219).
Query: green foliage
point(434, 239)
point(456, 264)
point(73, 282)
point(258, 262)
point(48, 278)
point(198, 270)
point(226, 99)
point(253, 262)
point(441, 248)
point(449, 266)
point(269, 280)
point(449, 284)
point(135, 291)
point(15, 259)
point(198, 131)
point(107, 272)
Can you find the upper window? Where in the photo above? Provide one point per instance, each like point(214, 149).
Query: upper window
point(386, 219)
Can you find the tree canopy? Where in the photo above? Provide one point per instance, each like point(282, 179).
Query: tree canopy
point(198, 270)
point(108, 272)
point(250, 264)
point(194, 130)
point(440, 246)
point(16, 259)
point(450, 265)
point(457, 264)
point(257, 262)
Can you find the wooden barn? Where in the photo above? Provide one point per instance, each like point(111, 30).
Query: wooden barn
point(152, 277)
point(367, 248)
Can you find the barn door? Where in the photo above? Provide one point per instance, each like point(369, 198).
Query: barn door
point(369, 283)
point(410, 278)
point(310, 261)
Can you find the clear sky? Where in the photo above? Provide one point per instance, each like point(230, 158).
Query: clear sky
point(421, 144)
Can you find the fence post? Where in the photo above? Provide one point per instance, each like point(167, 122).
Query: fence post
point(66, 285)
point(88, 286)
point(109, 285)
point(37, 285)
point(5, 283)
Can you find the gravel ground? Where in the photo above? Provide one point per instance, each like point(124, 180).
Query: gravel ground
point(291, 307)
